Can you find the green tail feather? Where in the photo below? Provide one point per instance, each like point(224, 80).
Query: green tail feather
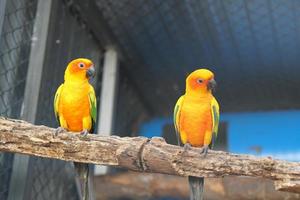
point(196, 187)
point(82, 171)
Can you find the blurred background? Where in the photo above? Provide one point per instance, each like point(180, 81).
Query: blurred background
point(143, 50)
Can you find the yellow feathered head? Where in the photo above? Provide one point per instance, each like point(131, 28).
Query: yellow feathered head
point(201, 80)
point(80, 69)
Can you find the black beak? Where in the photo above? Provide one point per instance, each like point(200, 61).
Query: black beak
point(212, 84)
point(90, 72)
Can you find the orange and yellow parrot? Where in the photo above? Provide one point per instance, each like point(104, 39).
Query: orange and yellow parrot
point(75, 108)
point(196, 119)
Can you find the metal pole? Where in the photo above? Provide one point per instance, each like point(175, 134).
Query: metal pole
point(108, 96)
point(33, 81)
point(95, 56)
point(2, 14)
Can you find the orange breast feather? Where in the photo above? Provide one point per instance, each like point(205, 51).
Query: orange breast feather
point(74, 105)
point(195, 121)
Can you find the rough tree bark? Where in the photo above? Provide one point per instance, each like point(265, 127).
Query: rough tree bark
point(142, 154)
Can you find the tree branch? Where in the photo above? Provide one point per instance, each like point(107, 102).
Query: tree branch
point(140, 154)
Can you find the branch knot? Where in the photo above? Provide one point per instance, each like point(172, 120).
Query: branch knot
point(141, 161)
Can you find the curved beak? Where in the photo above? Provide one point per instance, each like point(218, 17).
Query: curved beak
point(212, 84)
point(90, 72)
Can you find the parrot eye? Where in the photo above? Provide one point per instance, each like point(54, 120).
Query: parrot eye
point(200, 81)
point(81, 65)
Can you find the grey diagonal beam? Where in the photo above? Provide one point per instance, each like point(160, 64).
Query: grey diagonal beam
point(31, 95)
point(108, 97)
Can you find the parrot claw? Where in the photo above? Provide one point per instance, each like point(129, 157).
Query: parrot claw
point(59, 130)
point(187, 146)
point(204, 150)
point(84, 133)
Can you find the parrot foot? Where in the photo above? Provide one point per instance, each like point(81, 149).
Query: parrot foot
point(59, 130)
point(186, 148)
point(84, 133)
point(204, 150)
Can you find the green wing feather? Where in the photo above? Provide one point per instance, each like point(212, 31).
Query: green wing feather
point(216, 118)
point(176, 118)
point(93, 107)
point(56, 102)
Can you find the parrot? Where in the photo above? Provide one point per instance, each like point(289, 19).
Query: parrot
point(75, 108)
point(196, 120)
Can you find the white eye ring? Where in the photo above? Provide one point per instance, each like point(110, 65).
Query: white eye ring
point(200, 81)
point(81, 65)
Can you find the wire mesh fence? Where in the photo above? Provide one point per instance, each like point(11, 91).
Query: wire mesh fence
point(6, 160)
point(14, 54)
point(15, 44)
point(51, 179)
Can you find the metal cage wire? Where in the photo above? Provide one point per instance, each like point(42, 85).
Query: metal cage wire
point(15, 44)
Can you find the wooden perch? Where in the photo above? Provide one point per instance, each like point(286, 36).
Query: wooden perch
point(140, 154)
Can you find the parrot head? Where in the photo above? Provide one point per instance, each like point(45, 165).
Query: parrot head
point(80, 69)
point(201, 80)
